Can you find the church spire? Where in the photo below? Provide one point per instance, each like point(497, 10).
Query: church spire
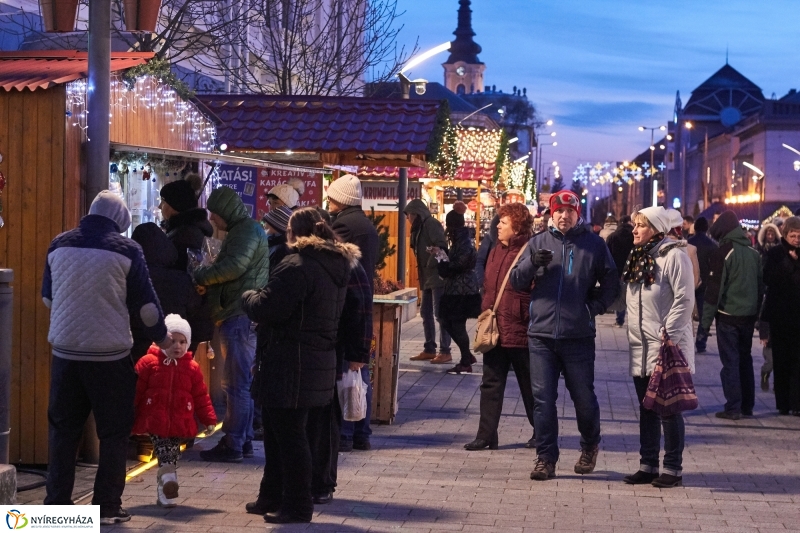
point(464, 48)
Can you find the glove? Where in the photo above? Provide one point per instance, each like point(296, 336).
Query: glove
point(210, 429)
point(542, 257)
point(166, 343)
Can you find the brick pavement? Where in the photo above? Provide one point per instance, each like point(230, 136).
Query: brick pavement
point(738, 476)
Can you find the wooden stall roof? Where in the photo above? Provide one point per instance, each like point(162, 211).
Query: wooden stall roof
point(42, 69)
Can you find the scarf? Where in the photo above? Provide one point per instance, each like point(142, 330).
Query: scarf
point(640, 266)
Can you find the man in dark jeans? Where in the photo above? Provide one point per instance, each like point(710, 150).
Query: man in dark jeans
point(573, 260)
point(733, 297)
point(705, 247)
point(620, 244)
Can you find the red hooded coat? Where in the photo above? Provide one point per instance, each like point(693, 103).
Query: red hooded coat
point(167, 396)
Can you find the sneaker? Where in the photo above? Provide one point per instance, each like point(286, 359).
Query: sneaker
point(732, 415)
point(543, 470)
point(423, 356)
point(258, 434)
point(247, 449)
point(640, 478)
point(345, 445)
point(460, 369)
point(361, 444)
point(765, 381)
point(109, 518)
point(667, 481)
point(262, 507)
point(222, 453)
point(441, 359)
point(619, 325)
point(587, 461)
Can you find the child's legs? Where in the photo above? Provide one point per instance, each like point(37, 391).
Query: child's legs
point(166, 449)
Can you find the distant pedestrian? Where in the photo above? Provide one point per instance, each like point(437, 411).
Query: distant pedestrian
point(573, 261)
point(687, 227)
point(242, 264)
point(660, 285)
point(169, 393)
point(461, 299)
point(609, 227)
point(769, 236)
point(782, 313)
point(733, 297)
point(620, 244)
point(94, 279)
point(514, 229)
point(427, 233)
point(705, 247)
point(487, 245)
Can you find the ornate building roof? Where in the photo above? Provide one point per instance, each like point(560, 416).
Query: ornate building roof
point(464, 48)
point(726, 97)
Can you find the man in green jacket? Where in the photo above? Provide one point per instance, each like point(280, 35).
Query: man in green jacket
point(426, 232)
point(733, 296)
point(241, 265)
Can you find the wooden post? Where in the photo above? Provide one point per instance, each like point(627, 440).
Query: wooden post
point(478, 217)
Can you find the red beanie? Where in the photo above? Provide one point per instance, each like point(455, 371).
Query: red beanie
point(565, 199)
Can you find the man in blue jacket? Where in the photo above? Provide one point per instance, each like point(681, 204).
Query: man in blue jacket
point(562, 267)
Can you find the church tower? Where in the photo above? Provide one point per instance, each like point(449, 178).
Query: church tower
point(463, 71)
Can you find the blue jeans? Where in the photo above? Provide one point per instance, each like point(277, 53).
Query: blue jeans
point(359, 430)
point(650, 425)
point(735, 342)
point(238, 344)
point(575, 357)
point(429, 311)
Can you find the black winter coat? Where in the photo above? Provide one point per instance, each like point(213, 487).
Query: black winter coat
point(173, 286)
point(352, 225)
point(705, 247)
point(461, 298)
point(298, 316)
point(188, 230)
point(620, 244)
point(782, 277)
point(278, 249)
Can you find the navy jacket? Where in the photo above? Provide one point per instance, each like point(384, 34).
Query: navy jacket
point(565, 299)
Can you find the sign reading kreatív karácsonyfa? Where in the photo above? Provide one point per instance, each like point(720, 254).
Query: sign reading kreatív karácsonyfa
point(270, 177)
point(241, 179)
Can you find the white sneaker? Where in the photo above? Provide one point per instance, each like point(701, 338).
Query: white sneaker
point(167, 489)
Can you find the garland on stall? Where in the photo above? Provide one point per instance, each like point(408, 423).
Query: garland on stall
point(161, 69)
point(442, 149)
point(500, 165)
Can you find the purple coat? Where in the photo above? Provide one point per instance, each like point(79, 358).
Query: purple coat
point(513, 311)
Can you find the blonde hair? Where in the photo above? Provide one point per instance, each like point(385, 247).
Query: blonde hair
point(640, 217)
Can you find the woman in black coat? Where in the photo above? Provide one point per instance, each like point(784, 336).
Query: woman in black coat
point(298, 317)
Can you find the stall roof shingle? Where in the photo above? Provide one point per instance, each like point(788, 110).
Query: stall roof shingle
point(42, 69)
point(323, 124)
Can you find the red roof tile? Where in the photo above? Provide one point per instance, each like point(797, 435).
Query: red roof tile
point(41, 69)
point(323, 123)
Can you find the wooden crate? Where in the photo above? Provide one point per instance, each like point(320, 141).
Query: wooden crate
point(386, 323)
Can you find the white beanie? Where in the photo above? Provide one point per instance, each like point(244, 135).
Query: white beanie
point(288, 194)
point(175, 324)
point(109, 205)
point(660, 218)
point(346, 190)
point(675, 218)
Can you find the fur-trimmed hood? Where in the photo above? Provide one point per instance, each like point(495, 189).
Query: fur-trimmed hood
point(322, 250)
point(762, 234)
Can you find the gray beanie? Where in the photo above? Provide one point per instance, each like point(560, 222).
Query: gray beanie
point(109, 205)
point(346, 190)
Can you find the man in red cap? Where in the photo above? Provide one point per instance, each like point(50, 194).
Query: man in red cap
point(566, 261)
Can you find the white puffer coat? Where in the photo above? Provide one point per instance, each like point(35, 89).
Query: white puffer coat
point(667, 303)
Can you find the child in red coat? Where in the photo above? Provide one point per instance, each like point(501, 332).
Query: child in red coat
point(169, 392)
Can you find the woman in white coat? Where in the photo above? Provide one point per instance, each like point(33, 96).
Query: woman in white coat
point(660, 294)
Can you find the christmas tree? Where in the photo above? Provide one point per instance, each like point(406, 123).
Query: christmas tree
point(384, 248)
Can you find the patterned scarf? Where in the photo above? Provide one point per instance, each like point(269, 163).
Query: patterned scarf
point(640, 266)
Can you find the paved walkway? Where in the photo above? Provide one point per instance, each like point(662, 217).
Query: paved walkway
point(738, 476)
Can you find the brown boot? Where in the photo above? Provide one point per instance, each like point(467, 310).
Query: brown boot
point(423, 356)
point(441, 358)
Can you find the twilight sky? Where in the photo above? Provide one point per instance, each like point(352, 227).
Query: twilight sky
point(601, 68)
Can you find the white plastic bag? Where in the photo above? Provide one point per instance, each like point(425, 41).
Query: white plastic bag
point(353, 396)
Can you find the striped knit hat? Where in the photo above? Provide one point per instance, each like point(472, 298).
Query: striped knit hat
point(278, 218)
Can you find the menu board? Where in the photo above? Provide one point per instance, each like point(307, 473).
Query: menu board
point(241, 179)
point(270, 177)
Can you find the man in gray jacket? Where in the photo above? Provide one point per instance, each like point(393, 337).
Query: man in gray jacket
point(426, 232)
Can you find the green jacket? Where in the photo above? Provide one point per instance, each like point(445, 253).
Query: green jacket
point(243, 260)
point(735, 284)
point(425, 232)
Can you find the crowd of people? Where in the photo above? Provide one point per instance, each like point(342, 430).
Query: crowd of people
point(290, 303)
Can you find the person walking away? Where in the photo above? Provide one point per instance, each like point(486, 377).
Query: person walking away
point(351, 225)
point(565, 300)
point(242, 264)
point(427, 233)
point(461, 299)
point(298, 315)
point(769, 236)
point(609, 227)
point(94, 279)
point(620, 244)
point(782, 313)
point(169, 392)
point(705, 247)
point(733, 297)
point(487, 245)
point(514, 229)
point(660, 295)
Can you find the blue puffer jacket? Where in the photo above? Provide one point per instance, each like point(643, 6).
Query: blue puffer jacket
point(564, 298)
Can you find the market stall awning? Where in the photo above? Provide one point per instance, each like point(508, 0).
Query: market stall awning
point(354, 130)
point(748, 213)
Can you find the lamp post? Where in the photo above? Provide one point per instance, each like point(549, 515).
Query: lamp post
point(758, 178)
point(402, 185)
point(705, 175)
point(651, 170)
point(538, 150)
point(539, 163)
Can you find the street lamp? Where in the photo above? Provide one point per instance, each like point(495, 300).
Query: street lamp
point(539, 162)
point(652, 153)
point(402, 185)
point(758, 178)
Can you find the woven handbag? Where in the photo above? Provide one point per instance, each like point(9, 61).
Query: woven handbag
point(487, 333)
point(671, 389)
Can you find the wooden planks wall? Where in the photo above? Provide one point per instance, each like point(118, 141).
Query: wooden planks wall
point(32, 137)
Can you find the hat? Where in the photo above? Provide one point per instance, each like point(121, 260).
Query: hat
point(180, 195)
point(565, 199)
point(726, 223)
point(286, 193)
point(109, 205)
point(460, 207)
point(346, 190)
point(454, 220)
point(701, 225)
point(278, 218)
point(176, 324)
point(675, 218)
point(660, 219)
